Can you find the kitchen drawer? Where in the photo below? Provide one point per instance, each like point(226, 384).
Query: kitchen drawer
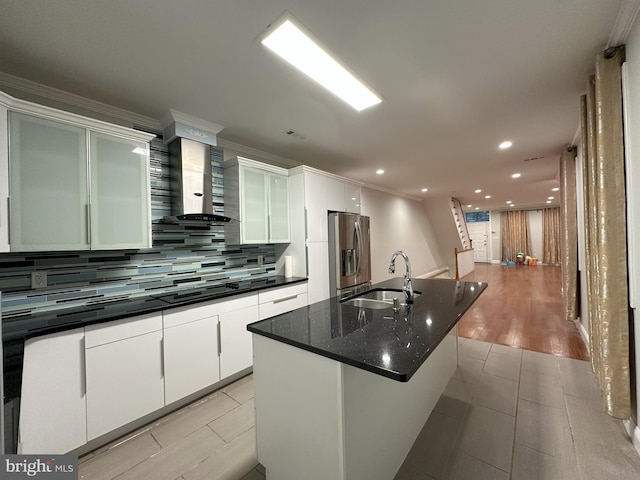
point(282, 301)
point(102, 333)
point(236, 303)
point(266, 296)
point(191, 313)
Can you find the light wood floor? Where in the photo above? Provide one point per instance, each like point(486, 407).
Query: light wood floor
point(522, 308)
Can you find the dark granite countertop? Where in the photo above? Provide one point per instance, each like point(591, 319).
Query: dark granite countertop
point(392, 344)
point(19, 327)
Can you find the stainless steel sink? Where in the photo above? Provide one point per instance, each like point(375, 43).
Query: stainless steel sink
point(378, 298)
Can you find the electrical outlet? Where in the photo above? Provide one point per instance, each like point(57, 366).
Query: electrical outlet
point(260, 260)
point(38, 279)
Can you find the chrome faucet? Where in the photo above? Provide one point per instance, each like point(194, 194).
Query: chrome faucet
point(407, 287)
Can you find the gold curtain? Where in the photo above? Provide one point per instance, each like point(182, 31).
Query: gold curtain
point(569, 238)
point(605, 231)
point(551, 236)
point(515, 234)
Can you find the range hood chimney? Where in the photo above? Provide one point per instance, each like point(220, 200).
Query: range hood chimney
point(190, 140)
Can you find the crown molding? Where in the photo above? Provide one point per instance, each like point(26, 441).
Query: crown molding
point(175, 116)
point(71, 99)
point(67, 98)
point(627, 16)
point(258, 154)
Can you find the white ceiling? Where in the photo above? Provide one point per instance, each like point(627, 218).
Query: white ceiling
point(457, 78)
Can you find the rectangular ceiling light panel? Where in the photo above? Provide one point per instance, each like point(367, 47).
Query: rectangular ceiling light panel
point(297, 48)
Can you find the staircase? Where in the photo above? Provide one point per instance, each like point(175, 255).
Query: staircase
point(461, 223)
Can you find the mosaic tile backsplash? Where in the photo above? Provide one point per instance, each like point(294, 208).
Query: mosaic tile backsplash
point(182, 257)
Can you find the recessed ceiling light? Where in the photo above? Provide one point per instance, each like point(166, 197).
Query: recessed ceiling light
point(549, 198)
point(297, 47)
point(478, 191)
point(516, 175)
point(424, 190)
point(504, 145)
point(353, 198)
point(469, 206)
point(477, 208)
point(380, 171)
point(509, 201)
point(512, 205)
point(548, 201)
point(555, 189)
point(487, 196)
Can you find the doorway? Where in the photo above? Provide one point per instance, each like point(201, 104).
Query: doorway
point(478, 233)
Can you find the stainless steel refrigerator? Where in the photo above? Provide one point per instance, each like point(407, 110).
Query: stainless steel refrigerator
point(349, 252)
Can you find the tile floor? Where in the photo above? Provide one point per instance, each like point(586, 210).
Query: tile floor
point(516, 414)
point(506, 414)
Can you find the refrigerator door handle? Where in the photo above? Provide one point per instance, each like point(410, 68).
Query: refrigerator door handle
point(359, 245)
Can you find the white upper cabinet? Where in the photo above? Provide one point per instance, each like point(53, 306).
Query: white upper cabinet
point(254, 207)
point(279, 222)
point(352, 198)
point(324, 193)
point(69, 182)
point(258, 195)
point(119, 209)
point(48, 184)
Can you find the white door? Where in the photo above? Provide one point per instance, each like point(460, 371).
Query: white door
point(478, 232)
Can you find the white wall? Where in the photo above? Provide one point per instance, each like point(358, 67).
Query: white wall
point(632, 101)
point(399, 223)
point(441, 219)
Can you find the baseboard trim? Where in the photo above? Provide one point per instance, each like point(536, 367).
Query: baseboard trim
point(434, 273)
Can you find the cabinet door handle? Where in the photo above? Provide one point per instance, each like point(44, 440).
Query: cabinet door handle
point(219, 339)
point(89, 224)
point(83, 366)
point(306, 228)
point(9, 219)
point(280, 300)
point(162, 357)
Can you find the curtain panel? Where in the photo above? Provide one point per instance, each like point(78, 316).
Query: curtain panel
point(515, 234)
point(569, 238)
point(605, 231)
point(551, 236)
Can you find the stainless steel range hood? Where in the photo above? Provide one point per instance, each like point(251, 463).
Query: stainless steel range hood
point(190, 141)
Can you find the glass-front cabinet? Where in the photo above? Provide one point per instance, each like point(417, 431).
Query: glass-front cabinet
point(258, 195)
point(119, 192)
point(69, 182)
point(254, 209)
point(48, 176)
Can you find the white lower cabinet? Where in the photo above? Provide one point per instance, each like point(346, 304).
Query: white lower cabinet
point(80, 384)
point(236, 347)
point(53, 414)
point(205, 343)
point(190, 351)
point(123, 372)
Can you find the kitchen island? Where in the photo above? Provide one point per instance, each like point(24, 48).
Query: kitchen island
point(342, 391)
